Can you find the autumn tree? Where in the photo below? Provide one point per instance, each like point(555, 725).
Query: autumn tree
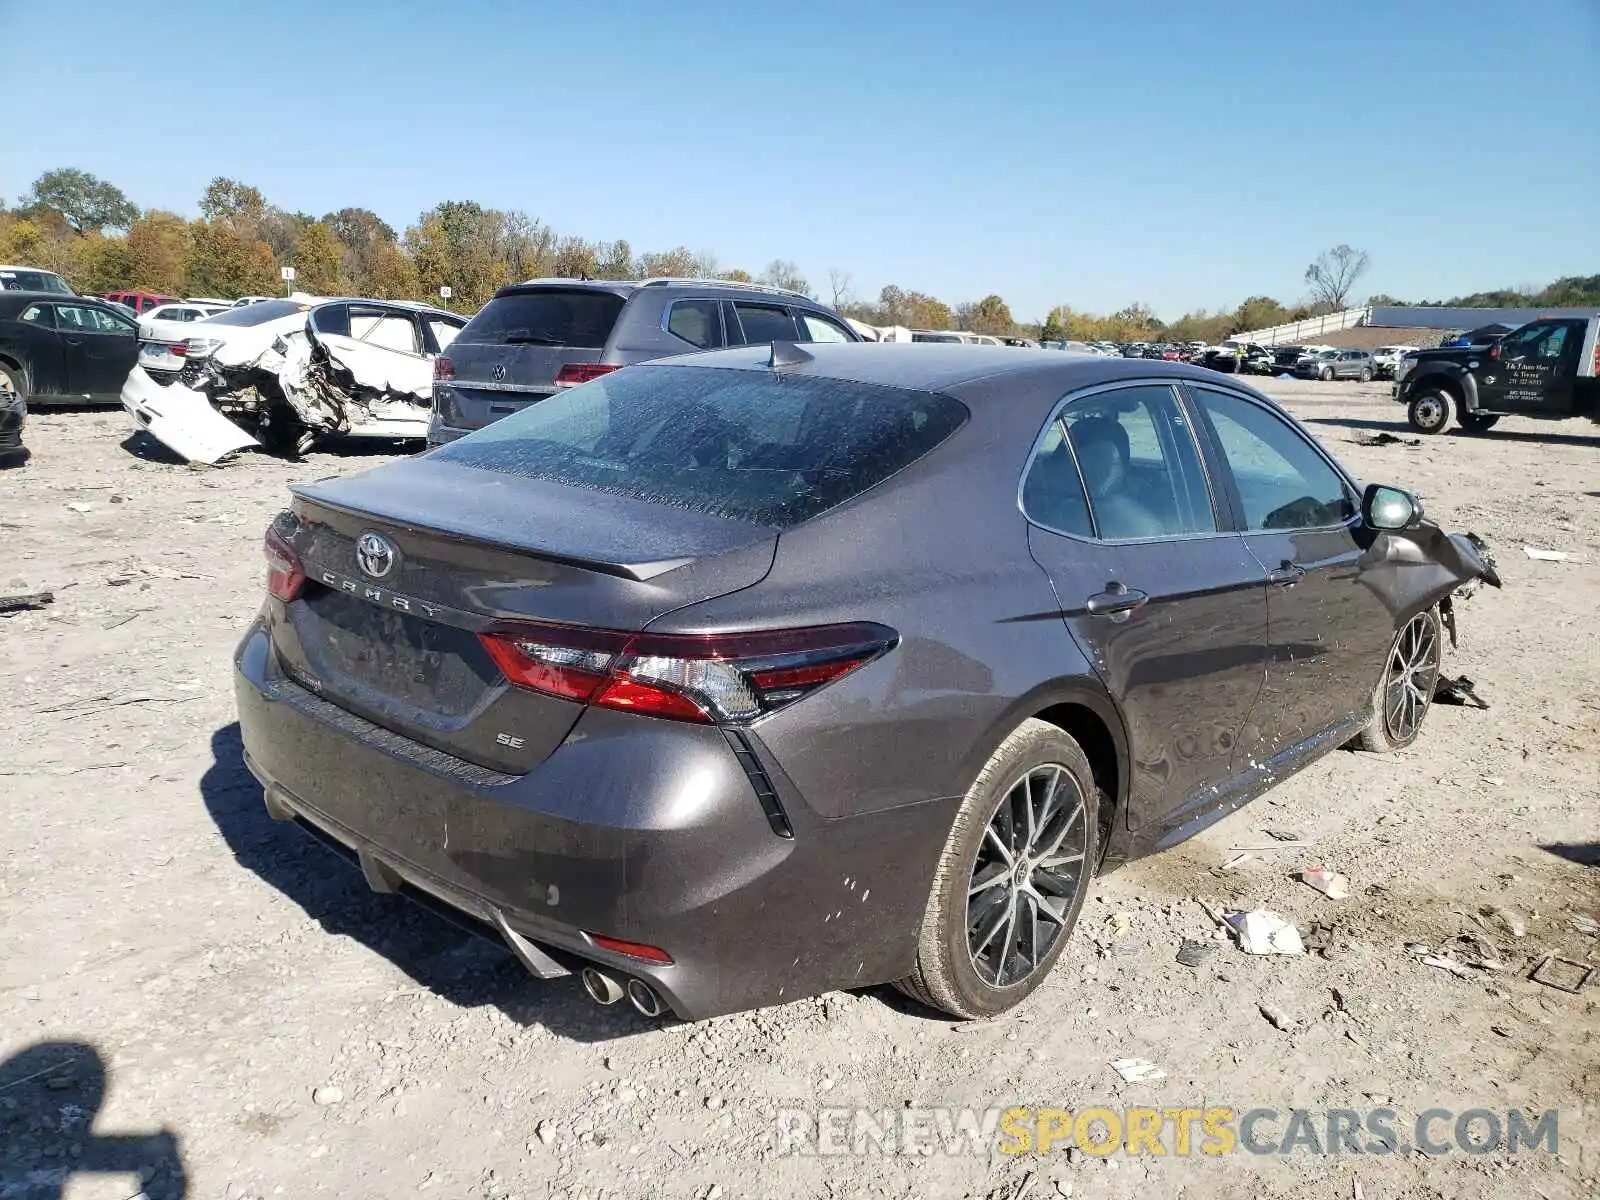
point(615, 260)
point(1333, 274)
point(391, 275)
point(158, 243)
point(229, 202)
point(317, 260)
point(221, 262)
point(735, 275)
point(991, 315)
point(679, 263)
point(1260, 312)
point(365, 238)
point(87, 204)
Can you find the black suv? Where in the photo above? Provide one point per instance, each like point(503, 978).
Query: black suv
point(536, 338)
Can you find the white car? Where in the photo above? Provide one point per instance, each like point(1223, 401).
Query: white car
point(33, 279)
point(295, 369)
point(164, 332)
point(246, 301)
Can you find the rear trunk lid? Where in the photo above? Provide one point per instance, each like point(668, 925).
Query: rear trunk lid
point(511, 354)
point(469, 550)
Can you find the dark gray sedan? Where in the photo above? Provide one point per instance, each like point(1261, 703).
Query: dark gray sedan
point(740, 677)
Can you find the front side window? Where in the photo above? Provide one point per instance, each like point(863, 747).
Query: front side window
point(1282, 479)
point(743, 445)
point(444, 331)
point(1536, 342)
point(1134, 453)
point(820, 329)
point(698, 322)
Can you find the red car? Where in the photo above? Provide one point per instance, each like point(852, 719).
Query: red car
point(140, 302)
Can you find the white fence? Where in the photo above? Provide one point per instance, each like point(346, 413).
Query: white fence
point(1307, 330)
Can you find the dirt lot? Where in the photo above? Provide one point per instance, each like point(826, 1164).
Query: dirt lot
point(191, 992)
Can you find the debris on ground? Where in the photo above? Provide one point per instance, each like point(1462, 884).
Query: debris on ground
point(1460, 690)
point(26, 601)
point(1286, 835)
point(1445, 963)
point(1386, 439)
point(1263, 932)
point(1192, 953)
point(1137, 1070)
point(1503, 919)
point(1538, 555)
point(1585, 924)
point(1235, 861)
point(1563, 974)
point(1296, 844)
point(1330, 883)
point(79, 506)
point(1277, 1018)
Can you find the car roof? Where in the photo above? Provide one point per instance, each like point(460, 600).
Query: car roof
point(941, 366)
point(629, 287)
point(19, 299)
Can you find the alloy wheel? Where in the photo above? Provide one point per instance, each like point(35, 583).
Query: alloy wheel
point(1413, 672)
point(1029, 870)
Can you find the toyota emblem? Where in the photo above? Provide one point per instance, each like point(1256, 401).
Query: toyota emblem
point(375, 555)
point(500, 373)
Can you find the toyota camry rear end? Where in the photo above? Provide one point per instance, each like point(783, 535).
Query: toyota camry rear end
point(490, 675)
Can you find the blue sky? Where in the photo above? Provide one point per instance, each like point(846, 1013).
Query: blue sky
point(1176, 153)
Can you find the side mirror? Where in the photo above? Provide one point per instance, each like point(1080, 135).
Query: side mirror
point(1389, 508)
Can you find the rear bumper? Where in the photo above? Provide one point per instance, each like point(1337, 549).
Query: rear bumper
point(648, 831)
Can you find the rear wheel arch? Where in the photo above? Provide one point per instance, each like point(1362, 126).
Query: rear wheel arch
point(1104, 750)
point(18, 369)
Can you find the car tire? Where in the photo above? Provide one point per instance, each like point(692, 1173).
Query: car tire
point(1429, 411)
point(1366, 375)
point(1326, 375)
point(282, 432)
point(1405, 688)
point(13, 380)
point(976, 957)
point(1477, 422)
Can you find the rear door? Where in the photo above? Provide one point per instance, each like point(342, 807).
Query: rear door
point(100, 348)
point(1166, 602)
point(1328, 632)
point(512, 353)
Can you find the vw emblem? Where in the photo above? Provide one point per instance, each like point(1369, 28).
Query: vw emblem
point(499, 373)
point(375, 555)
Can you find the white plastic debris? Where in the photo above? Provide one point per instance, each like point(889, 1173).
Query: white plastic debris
point(81, 508)
point(1538, 555)
point(1445, 963)
point(1235, 861)
point(1137, 1070)
point(1330, 883)
point(1263, 932)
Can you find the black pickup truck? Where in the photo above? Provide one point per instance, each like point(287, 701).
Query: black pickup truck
point(1549, 368)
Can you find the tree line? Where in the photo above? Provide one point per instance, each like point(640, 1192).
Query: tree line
point(89, 231)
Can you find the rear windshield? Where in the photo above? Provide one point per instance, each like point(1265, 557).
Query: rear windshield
point(33, 281)
point(552, 317)
point(750, 446)
point(260, 312)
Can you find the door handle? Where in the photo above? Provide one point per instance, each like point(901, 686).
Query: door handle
point(1117, 599)
point(1289, 574)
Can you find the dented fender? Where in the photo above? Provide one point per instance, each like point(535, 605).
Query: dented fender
point(1413, 569)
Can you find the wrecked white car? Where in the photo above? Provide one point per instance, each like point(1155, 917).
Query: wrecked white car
point(282, 373)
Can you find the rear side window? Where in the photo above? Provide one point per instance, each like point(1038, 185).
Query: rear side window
point(698, 322)
point(38, 314)
point(743, 445)
point(549, 317)
point(820, 329)
point(765, 323)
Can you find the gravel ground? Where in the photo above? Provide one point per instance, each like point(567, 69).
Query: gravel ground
point(195, 997)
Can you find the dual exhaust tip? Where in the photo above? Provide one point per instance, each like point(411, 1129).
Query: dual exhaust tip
point(605, 988)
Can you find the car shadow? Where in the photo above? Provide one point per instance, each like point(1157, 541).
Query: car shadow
point(1585, 854)
point(144, 447)
point(1493, 435)
point(457, 966)
point(50, 1095)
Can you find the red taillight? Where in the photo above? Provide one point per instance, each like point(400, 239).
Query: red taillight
point(710, 678)
point(180, 349)
point(1494, 350)
point(285, 576)
point(443, 368)
point(632, 949)
point(575, 373)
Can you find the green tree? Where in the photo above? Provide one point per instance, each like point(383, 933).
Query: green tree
point(87, 204)
point(1260, 312)
point(99, 264)
point(317, 260)
point(392, 275)
point(233, 203)
point(364, 236)
point(615, 260)
point(576, 259)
